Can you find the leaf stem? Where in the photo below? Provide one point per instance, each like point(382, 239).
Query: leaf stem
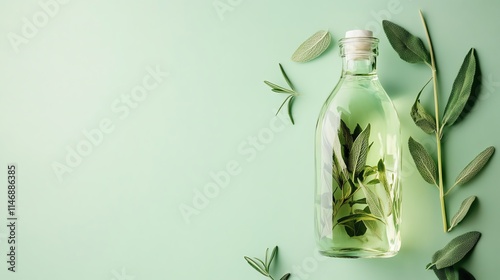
point(438, 128)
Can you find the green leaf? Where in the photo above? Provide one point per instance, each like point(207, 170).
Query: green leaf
point(455, 250)
point(409, 47)
point(278, 89)
point(453, 273)
point(256, 266)
point(465, 275)
point(273, 255)
point(312, 47)
point(461, 90)
point(286, 77)
point(359, 152)
point(285, 277)
point(421, 118)
point(476, 165)
point(373, 201)
point(383, 180)
point(462, 212)
point(290, 104)
point(371, 225)
point(358, 217)
point(424, 162)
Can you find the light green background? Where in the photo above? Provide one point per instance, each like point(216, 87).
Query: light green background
point(117, 214)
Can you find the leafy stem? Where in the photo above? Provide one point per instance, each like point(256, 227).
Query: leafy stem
point(264, 267)
point(438, 129)
point(291, 93)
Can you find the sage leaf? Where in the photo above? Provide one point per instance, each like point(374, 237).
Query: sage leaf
point(373, 201)
point(461, 89)
point(358, 217)
point(450, 273)
point(359, 152)
point(387, 192)
point(286, 276)
point(426, 166)
point(455, 250)
point(285, 76)
point(462, 211)
point(421, 118)
point(409, 47)
point(256, 266)
point(476, 165)
point(312, 47)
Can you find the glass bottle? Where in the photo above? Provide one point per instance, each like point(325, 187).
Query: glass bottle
point(358, 160)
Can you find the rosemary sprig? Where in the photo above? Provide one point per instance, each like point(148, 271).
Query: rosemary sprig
point(291, 93)
point(264, 267)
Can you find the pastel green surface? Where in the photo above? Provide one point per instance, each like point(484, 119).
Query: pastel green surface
point(165, 100)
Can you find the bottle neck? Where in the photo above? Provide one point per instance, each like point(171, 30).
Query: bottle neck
point(359, 56)
point(357, 65)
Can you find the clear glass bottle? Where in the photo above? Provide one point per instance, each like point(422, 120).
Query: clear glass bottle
point(358, 160)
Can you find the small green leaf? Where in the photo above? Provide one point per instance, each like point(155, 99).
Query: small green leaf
point(424, 162)
point(359, 152)
point(455, 250)
point(285, 277)
point(266, 259)
point(421, 118)
point(383, 180)
point(409, 47)
point(358, 217)
point(451, 273)
point(462, 212)
point(373, 201)
point(256, 266)
point(290, 104)
point(461, 90)
point(286, 77)
point(273, 255)
point(277, 88)
point(476, 165)
point(312, 47)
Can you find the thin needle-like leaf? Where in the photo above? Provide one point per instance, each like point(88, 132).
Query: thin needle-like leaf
point(285, 76)
point(256, 266)
point(462, 212)
point(278, 88)
point(273, 255)
point(286, 276)
point(290, 104)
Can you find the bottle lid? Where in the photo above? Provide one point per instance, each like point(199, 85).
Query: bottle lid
point(358, 43)
point(358, 33)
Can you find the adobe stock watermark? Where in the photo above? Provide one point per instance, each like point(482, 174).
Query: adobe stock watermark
point(121, 107)
point(308, 266)
point(122, 275)
point(393, 7)
point(221, 179)
point(48, 9)
point(224, 6)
